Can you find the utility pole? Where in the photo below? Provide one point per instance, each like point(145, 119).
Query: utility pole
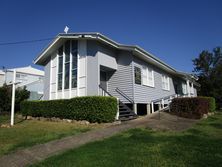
point(13, 98)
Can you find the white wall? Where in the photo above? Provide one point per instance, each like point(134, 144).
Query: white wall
point(2, 80)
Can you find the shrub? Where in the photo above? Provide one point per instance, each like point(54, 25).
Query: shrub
point(193, 107)
point(90, 108)
point(212, 103)
point(21, 94)
point(5, 98)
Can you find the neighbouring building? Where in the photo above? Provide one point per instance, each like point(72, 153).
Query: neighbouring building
point(31, 78)
point(88, 64)
point(2, 77)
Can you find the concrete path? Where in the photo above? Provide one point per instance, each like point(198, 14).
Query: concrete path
point(40, 152)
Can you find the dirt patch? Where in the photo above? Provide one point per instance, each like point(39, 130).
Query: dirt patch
point(166, 121)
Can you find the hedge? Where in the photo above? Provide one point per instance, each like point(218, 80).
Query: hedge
point(91, 108)
point(192, 107)
point(212, 103)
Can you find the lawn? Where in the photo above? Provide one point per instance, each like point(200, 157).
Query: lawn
point(30, 132)
point(199, 146)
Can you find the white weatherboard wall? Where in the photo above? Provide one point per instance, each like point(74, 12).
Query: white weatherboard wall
point(82, 68)
point(107, 57)
point(145, 94)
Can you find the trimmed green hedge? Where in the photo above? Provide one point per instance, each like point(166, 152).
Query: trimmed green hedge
point(192, 107)
point(91, 108)
point(212, 103)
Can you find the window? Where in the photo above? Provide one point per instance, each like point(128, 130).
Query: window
point(74, 63)
point(184, 88)
point(165, 82)
point(147, 76)
point(67, 64)
point(21, 76)
point(137, 74)
point(60, 68)
point(69, 47)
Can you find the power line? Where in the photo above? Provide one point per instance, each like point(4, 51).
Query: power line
point(23, 42)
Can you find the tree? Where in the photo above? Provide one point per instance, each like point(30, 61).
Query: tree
point(208, 67)
point(5, 98)
point(21, 94)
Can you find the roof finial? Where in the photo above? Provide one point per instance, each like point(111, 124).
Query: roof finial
point(66, 29)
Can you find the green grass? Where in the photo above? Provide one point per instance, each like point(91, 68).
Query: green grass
point(199, 146)
point(30, 132)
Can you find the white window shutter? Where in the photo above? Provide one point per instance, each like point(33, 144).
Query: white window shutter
point(163, 83)
point(168, 82)
point(144, 76)
point(150, 77)
point(153, 78)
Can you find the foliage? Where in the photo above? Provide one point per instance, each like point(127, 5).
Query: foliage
point(212, 103)
point(21, 94)
point(193, 107)
point(90, 108)
point(5, 98)
point(208, 67)
point(198, 147)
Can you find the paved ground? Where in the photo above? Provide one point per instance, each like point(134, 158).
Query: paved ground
point(39, 152)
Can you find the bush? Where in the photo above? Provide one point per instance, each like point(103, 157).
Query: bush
point(5, 98)
point(21, 94)
point(192, 107)
point(90, 108)
point(212, 103)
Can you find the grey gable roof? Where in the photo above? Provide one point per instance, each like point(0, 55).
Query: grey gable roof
point(137, 51)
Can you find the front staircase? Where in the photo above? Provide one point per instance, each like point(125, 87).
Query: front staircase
point(125, 113)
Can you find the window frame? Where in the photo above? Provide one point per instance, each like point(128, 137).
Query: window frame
point(148, 73)
point(60, 66)
point(184, 88)
point(135, 75)
point(165, 82)
point(74, 54)
point(67, 65)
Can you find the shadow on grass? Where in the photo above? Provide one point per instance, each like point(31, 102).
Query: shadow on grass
point(216, 125)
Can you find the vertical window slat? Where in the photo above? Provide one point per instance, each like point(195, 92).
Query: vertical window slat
point(137, 75)
point(74, 63)
point(60, 73)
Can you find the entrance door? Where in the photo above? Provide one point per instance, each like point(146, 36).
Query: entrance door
point(103, 80)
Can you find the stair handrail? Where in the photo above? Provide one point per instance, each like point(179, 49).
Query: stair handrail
point(124, 95)
point(113, 96)
point(105, 90)
point(164, 98)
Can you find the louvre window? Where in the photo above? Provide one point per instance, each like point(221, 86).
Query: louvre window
point(137, 74)
point(74, 63)
point(165, 82)
point(184, 88)
point(60, 68)
point(147, 76)
point(67, 64)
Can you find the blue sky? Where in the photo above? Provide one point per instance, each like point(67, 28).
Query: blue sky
point(174, 31)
